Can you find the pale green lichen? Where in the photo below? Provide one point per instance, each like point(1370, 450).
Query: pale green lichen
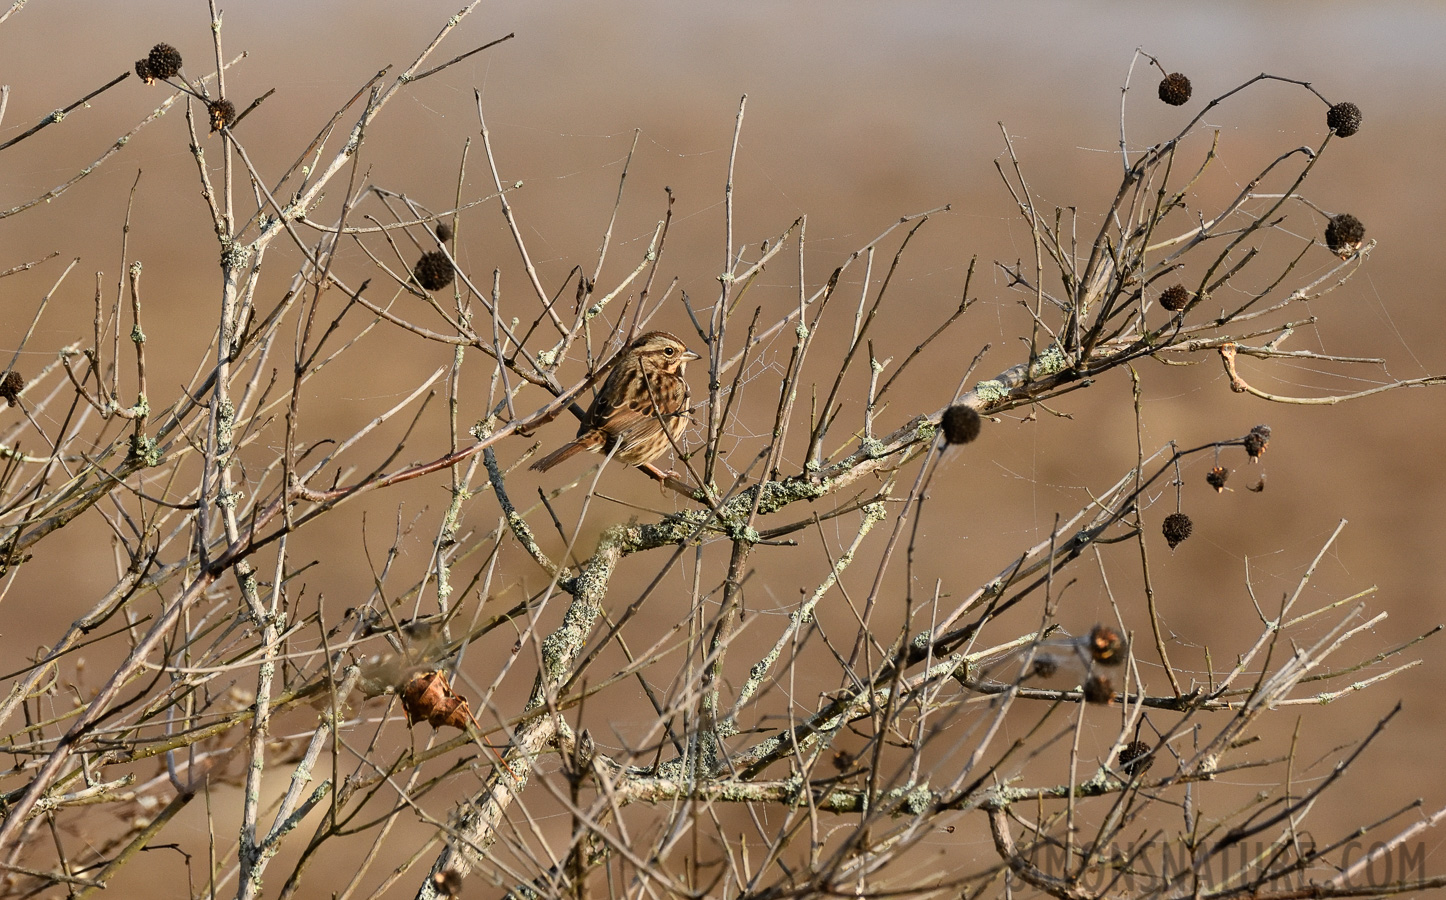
point(560, 649)
point(521, 531)
point(874, 448)
point(794, 785)
point(690, 525)
point(918, 801)
point(225, 426)
point(746, 535)
point(992, 391)
point(234, 255)
point(145, 450)
point(1052, 361)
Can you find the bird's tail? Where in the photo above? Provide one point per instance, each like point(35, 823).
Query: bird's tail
point(566, 451)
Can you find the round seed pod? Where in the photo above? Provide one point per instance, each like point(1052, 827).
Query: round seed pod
point(434, 270)
point(1217, 477)
point(1175, 298)
point(1135, 758)
point(1107, 646)
point(1099, 690)
point(11, 386)
point(961, 424)
point(1344, 119)
point(444, 231)
point(1175, 89)
point(222, 113)
point(143, 70)
point(164, 61)
point(1344, 234)
point(1177, 528)
point(1256, 441)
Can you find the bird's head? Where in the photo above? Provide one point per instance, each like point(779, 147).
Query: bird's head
point(663, 351)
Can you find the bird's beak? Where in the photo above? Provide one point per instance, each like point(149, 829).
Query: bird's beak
point(689, 356)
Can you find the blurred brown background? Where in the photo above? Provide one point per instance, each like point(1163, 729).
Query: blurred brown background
point(857, 113)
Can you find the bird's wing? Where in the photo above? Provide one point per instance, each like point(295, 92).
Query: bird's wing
point(628, 421)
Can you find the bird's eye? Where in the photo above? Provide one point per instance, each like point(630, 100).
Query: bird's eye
point(669, 351)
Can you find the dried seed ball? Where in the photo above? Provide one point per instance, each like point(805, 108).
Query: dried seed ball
point(1106, 645)
point(11, 386)
point(143, 69)
point(1256, 441)
point(1175, 298)
point(434, 270)
point(223, 114)
point(1344, 119)
point(1216, 478)
point(961, 424)
point(1177, 528)
point(1175, 89)
point(1135, 758)
point(164, 60)
point(1099, 689)
point(1344, 234)
point(444, 231)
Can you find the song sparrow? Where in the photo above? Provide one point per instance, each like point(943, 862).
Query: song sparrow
point(644, 393)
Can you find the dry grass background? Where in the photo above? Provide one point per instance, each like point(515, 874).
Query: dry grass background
point(858, 112)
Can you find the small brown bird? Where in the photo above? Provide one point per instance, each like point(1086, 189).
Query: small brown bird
point(644, 393)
